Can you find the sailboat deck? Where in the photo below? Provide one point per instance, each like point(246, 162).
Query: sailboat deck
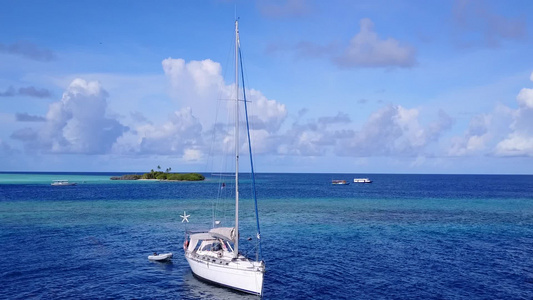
point(226, 259)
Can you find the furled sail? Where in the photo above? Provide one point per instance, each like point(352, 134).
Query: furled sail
point(225, 233)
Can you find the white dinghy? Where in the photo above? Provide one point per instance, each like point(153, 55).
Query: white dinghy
point(160, 257)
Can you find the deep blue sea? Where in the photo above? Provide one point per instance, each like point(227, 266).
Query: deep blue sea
point(401, 237)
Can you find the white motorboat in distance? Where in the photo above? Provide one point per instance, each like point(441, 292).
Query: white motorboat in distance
point(62, 183)
point(362, 180)
point(340, 182)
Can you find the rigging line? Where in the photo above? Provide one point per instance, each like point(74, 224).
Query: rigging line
point(223, 196)
point(251, 159)
point(252, 117)
point(220, 204)
point(222, 91)
point(216, 125)
point(219, 131)
point(219, 98)
point(211, 158)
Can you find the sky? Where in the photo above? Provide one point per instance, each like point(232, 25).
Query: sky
point(335, 86)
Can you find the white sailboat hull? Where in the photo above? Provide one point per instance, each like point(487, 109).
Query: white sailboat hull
point(242, 275)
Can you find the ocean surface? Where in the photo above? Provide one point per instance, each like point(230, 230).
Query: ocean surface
point(401, 237)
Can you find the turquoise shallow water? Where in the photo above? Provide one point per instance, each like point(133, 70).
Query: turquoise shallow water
point(402, 237)
point(47, 178)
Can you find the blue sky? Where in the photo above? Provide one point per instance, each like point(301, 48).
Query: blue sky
point(335, 86)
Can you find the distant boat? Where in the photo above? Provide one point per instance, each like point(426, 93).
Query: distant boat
point(340, 182)
point(362, 180)
point(62, 183)
point(160, 257)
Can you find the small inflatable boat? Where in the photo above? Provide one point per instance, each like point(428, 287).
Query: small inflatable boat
point(160, 257)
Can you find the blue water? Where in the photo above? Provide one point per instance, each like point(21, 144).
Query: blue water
point(401, 237)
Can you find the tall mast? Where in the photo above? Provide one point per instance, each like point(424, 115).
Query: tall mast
point(236, 244)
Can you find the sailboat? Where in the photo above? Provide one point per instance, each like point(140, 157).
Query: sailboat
point(213, 255)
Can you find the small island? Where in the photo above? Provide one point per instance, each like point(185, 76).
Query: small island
point(159, 175)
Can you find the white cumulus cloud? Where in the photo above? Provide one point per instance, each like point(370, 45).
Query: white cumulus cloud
point(525, 98)
point(519, 142)
point(181, 132)
point(366, 49)
point(475, 139)
point(394, 130)
point(197, 86)
point(515, 144)
point(200, 84)
point(78, 123)
point(267, 114)
point(503, 132)
point(179, 136)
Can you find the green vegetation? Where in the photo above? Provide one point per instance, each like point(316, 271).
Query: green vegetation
point(127, 177)
point(174, 176)
point(162, 176)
